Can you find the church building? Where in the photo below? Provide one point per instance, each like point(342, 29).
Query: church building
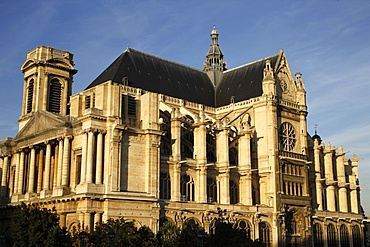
point(151, 140)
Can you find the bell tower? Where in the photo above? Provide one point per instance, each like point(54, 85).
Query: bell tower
point(214, 64)
point(48, 76)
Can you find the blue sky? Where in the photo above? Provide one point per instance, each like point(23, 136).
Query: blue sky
point(328, 41)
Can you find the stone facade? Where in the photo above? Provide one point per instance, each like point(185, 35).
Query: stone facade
point(118, 149)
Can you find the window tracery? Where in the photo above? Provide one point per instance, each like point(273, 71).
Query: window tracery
point(187, 188)
point(287, 136)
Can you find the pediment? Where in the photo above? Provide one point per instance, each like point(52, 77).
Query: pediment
point(27, 63)
point(43, 122)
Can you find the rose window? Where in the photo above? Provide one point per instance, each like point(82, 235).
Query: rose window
point(287, 136)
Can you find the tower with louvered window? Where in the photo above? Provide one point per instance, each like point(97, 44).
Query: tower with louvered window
point(48, 76)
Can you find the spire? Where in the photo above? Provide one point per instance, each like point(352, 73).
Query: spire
point(214, 56)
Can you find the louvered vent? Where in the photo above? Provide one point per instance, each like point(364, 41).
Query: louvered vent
point(30, 96)
point(131, 103)
point(87, 101)
point(55, 94)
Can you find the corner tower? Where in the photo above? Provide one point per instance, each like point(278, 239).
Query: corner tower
point(214, 64)
point(48, 76)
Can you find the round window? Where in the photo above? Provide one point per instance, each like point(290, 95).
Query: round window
point(287, 136)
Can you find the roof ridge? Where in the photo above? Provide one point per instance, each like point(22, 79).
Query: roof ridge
point(250, 63)
point(129, 49)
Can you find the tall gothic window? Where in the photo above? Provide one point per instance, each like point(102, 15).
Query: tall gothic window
point(332, 236)
point(290, 223)
point(187, 137)
point(166, 148)
point(211, 148)
point(30, 95)
point(234, 192)
point(165, 186)
point(318, 240)
point(55, 96)
point(211, 190)
point(344, 236)
point(265, 234)
point(356, 236)
point(187, 188)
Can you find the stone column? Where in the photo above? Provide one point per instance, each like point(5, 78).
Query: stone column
point(90, 156)
point(4, 175)
point(88, 221)
point(175, 181)
point(62, 221)
point(341, 174)
point(200, 154)
point(2, 166)
point(202, 182)
point(99, 158)
point(47, 167)
point(330, 189)
point(353, 195)
point(60, 162)
point(175, 168)
point(40, 170)
point(55, 166)
point(318, 175)
point(31, 178)
point(21, 173)
point(222, 149)
point(83, 158)
point(244, 157)
point(16, 157)
point(66, 159)
point(176, 135)
point(97, 218)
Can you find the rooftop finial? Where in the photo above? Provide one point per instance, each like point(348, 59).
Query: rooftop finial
point(316, 129)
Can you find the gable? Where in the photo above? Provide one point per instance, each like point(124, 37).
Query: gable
point(286, 87)
point(43, 122)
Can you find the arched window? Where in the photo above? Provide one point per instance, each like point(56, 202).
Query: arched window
point(30, 96)
point(187, 137)
point(211, 149)
point(356, 235)
point(166, 128)
point(344, 236)
point(265, 234)
point(211, 190)
point(242, 224)
point(287, 136)
point(234, 193)
point(165, 186)
point(55, 95)
point(187, 188)
point(332, 236)
point(317, 234)
point(290, 223)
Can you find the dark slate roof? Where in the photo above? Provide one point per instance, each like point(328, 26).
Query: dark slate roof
point(169, 78)
point(243, 82)
point(160, 76)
